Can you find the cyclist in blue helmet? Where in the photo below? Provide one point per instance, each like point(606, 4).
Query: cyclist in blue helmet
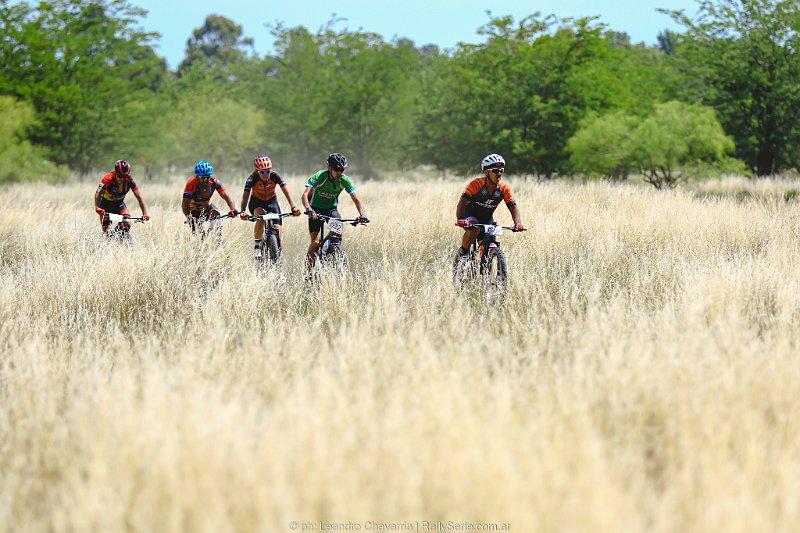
point(197, 195)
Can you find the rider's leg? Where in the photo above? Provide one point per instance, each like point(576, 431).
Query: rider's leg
point(313, 248)
point(213, 219)
point(258, 230)
point(467, 239)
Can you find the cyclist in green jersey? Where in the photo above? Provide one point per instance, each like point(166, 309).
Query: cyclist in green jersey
point(321, 196)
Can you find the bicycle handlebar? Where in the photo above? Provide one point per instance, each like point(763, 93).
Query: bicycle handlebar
point(274, 216)
point(352, 221)
point(113, 217)
point(206, 219)
point(512, 229)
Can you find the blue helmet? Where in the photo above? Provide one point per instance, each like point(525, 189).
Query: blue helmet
point(203, 168)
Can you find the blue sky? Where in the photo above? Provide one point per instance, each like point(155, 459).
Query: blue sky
point(441, 22)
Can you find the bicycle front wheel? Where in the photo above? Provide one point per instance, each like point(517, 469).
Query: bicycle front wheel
point(273, 248)
point(494, 271)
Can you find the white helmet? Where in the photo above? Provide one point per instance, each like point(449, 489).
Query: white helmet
point(492, 159)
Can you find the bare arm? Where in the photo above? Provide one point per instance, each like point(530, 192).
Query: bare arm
point(305, 197)
point(97, 197)
point(185, 206)
point(142, 204)
point(461, 208)
point(227, 197)
point(515, 214)
point(357, 201)
point(245, 198)
point(288, 196)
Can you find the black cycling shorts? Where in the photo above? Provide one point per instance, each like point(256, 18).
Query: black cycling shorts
point(118, 208)
point(270, 206)
point(316, 225)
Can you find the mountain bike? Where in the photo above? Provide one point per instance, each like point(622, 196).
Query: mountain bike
point(331, 252)
point(485, 263)
point(199, 227)
point(120, 232)
point(270, 247)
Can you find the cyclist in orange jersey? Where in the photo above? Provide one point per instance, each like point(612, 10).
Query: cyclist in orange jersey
point(480, 199)
point(259, 196)
point(197, 196)
point(110, 195)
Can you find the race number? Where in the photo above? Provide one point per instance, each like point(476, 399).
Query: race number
point(494, 230)
point(336, 226)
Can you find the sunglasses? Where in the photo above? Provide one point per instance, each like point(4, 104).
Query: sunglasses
point(497, 170)
point(263, 172)
point(337, 169)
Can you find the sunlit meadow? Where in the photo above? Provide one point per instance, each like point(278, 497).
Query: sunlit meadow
point(642, 376)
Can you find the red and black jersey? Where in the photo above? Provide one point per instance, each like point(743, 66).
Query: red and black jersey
point(114, 190)
point(200, 194)
point(263, 189)
point(481, 202)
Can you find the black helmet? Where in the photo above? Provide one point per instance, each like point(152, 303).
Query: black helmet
point(122, 167)
point(337, 161)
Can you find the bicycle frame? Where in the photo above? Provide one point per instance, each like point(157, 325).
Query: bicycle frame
point(197, 224)
point(486, 262)
point(490, 234)
point(269, 230)
point(335, 231)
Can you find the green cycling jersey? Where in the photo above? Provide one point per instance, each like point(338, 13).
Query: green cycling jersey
point(327, 190)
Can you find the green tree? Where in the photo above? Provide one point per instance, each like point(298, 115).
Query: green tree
point(215, 46)
point(524, 91)
point(673, 143)
point(745, 56)
point(80, 64)
point(225, 132)
point(603, 145)
point(19, 159)
point(337, 90)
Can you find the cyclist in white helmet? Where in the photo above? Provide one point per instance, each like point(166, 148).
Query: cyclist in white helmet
point(481, 197)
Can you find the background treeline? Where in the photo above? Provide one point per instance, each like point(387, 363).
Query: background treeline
point(81, 86)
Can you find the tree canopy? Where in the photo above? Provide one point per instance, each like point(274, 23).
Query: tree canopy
point(531, 89)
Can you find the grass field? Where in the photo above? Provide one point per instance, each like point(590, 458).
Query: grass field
point(643, 375)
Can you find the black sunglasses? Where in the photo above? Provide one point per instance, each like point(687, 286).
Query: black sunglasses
point(264, 172)
point(337, 169)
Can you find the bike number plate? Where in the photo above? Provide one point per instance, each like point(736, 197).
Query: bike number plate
point(336, 226)
point(494, 230)
point(113, 217)
point(270, 216)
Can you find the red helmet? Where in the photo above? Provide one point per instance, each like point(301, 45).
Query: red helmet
point(263, 162)
point(122, 167)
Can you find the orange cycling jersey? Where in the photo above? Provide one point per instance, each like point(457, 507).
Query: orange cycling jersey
point(482, 203)
point(263, 189)
point(199, 195)
point(115, 191)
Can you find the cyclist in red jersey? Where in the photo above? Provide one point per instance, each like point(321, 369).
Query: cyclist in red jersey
point(110, 195)
point(197, 196)
point(481, 198)
point(259, 195)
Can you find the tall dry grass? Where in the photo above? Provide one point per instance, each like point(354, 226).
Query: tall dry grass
point(643, 375)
